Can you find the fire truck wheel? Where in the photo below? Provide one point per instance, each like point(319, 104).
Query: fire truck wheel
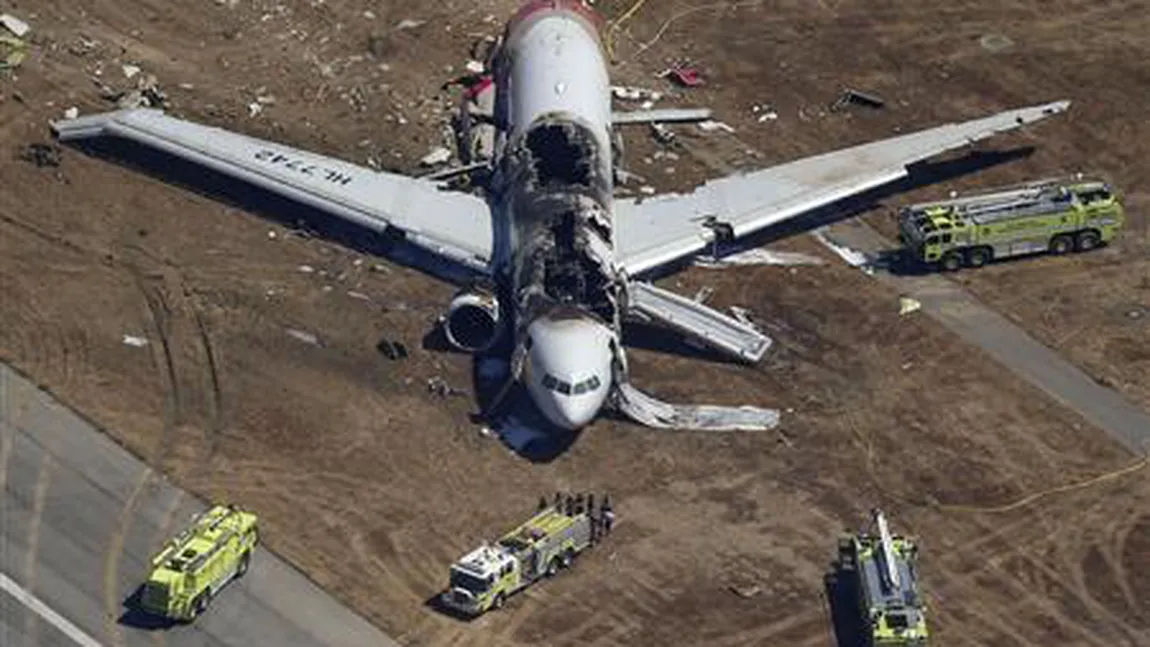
point(553, 567)
point(568, 557)
point(243, 565)
point(201, 605)
point(1086, 241)
point(951, 261)
point(498, 603)
point(1061, 244)
point(978, 257)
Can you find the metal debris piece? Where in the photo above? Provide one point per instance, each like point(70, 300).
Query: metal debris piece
point(440, 387)
point(663, 134)
point(306, 269)
point(851, 96)
point(745, 592)
point(42, 155)
point(132, 340)
point(13, 24)
point(408, 23)
point(710, 126)
point(305, 337)
point(907, 305)
point(437, 156)
point(663, 115)
point(393, 350)
point(703, 294)
point(625, 93)
point(130, 70)
point(474, 67)
point(72, 113)
point(995, 42)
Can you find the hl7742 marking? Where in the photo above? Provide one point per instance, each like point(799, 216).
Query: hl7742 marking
point(302, 166)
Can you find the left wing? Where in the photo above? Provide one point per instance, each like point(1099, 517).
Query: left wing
point(453, 225)
point(655, 231)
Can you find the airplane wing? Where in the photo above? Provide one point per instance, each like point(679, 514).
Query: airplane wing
point(654, 231)
point(453, 225)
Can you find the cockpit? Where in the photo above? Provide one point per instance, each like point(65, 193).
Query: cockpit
point(568, 370)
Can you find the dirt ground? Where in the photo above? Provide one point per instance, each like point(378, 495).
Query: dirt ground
point(373, 485)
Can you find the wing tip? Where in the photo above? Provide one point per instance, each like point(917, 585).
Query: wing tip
point(92, 125)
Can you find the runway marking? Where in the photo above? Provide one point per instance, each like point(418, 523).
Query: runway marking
point(44, 611)
point(43, 480)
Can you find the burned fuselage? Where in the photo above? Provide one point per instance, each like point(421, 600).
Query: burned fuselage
point(552, 187)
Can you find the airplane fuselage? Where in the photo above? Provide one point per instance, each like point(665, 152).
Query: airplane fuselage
point(553, 184)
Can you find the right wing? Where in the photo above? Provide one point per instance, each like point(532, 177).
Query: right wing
point(454, 225)
point(655, 231)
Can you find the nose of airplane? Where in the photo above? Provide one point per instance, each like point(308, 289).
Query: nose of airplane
point(569, 366)
point(573, 413)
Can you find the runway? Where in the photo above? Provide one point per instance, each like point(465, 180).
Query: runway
point(73, 551)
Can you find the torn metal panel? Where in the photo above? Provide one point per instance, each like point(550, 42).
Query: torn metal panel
point(668, 115)
point(724, 333)
point(647, 410)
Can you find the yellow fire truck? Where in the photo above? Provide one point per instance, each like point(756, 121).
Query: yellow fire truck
point(1056, 216)
point(484, 578)
point(886, 578)
point(215, 548)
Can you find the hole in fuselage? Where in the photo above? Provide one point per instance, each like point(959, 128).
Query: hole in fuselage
point(560, 156)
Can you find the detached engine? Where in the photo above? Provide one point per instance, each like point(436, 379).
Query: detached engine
point(472, 320)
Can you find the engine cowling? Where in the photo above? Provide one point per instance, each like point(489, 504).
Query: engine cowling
point(472, 320)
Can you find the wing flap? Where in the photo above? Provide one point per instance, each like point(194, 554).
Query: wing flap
point(655, 231)
point(454, 225)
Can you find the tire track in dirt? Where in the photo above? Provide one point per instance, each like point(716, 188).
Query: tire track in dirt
point(159, 318)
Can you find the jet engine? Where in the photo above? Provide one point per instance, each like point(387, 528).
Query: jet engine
point(472, 320)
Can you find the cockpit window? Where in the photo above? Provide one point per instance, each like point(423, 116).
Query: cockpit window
point(566, 388)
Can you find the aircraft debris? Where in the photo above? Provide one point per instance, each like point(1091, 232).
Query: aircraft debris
point(130, 70)
point(359, 296)
point(132, 340)
point(851, 96)
point(647, 190)
point(437, 156)
point(440, 387)
point(853, 257)
point(255, 108)
point(306, 269)
point(663, 134)
point(907, 305)
point(271, 235)
point(663, 115)
point(625, 93)
point(683, 74)
point(18, 27)
point(758, 256)
point(995, 42)
point(393, 350)
point(745, 592)
point(703, 294)
point(300, 335)
point(474, 67)
point(147, 94)
point(72, 113)
point(408, 23)
point(765, 113)
point(710, 126)
point(657, 414)
point(41, 155)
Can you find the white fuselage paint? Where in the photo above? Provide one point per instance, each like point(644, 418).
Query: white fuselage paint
point(553, 71)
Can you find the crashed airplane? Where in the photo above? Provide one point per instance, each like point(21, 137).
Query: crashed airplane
point(558, 261)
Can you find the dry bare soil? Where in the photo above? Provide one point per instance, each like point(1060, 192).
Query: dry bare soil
point(372, 485)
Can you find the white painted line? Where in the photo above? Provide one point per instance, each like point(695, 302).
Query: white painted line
point(46, 612)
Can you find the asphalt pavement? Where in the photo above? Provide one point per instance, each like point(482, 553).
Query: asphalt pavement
point(80, 518)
